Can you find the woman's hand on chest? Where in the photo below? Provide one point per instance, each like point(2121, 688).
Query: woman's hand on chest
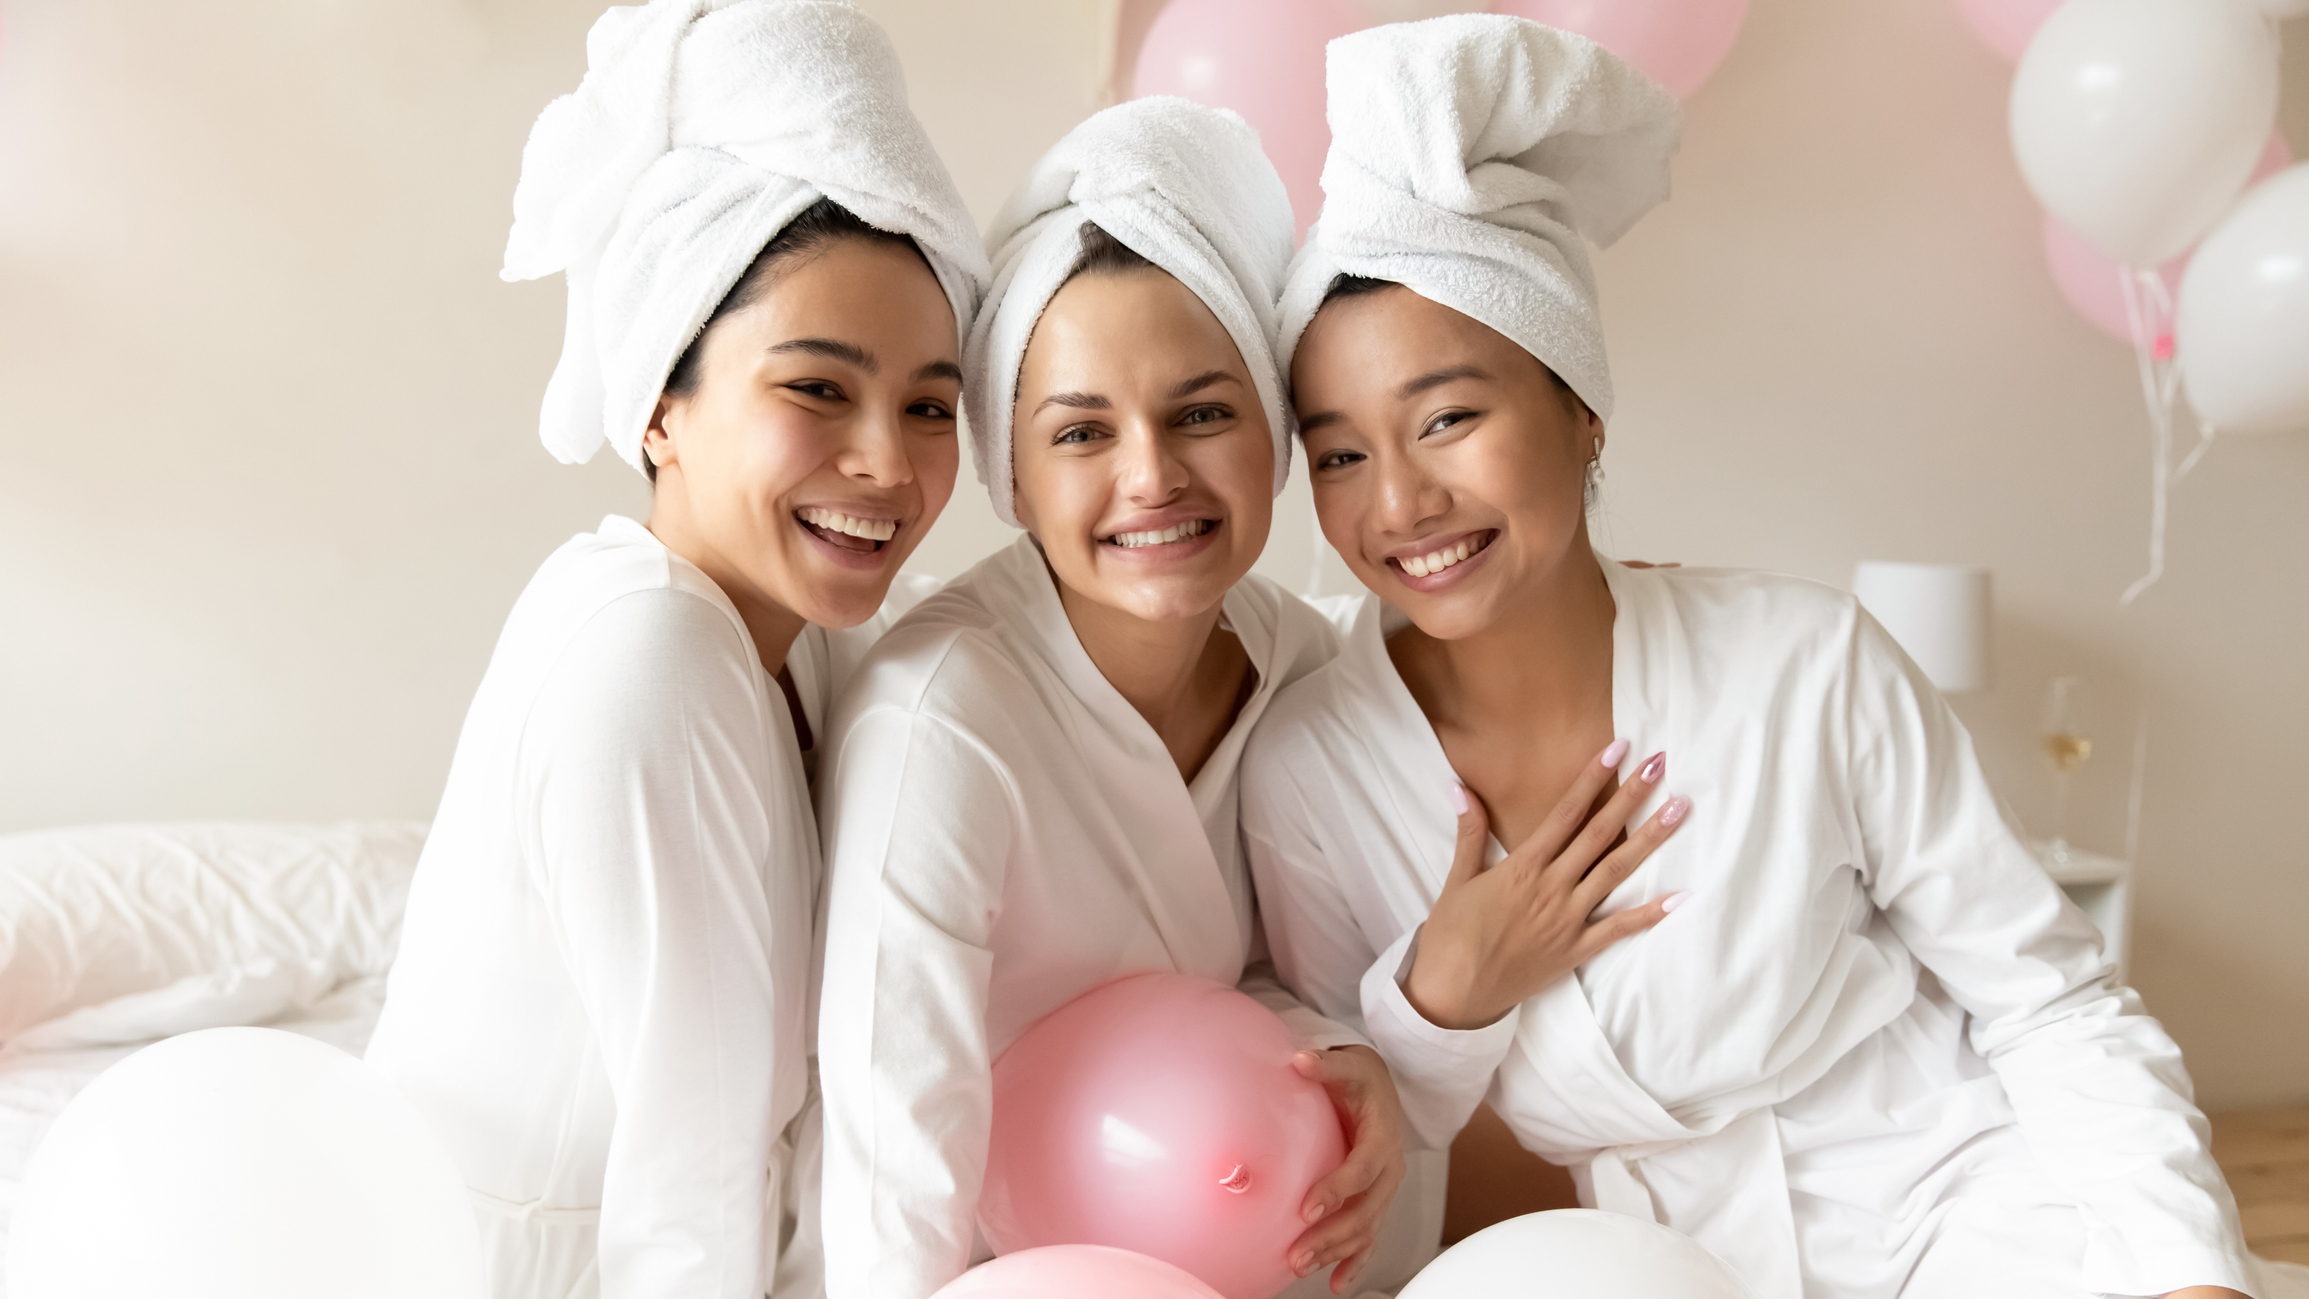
point(1497, 937)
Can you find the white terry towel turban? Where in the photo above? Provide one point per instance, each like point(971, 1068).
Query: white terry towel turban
point(1182, 185)
point(701, 129)
point(1471, 156)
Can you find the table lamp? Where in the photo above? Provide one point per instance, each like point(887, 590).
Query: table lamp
point(1938, 613)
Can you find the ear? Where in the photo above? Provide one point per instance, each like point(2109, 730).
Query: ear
point(657, 441)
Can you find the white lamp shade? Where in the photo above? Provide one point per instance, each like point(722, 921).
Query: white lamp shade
point(1938, 613)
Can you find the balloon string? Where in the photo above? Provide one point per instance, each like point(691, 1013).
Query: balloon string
point(2147, 307)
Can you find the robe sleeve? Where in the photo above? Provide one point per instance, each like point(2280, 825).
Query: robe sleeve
point(642, 767)
point(919, 826)
point(1320, 950)
point(2098, 1086)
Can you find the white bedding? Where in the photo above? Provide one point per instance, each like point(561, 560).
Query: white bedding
point(114, 937)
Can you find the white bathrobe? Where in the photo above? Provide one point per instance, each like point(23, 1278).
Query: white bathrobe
point(1004, 833)
point(1875, 1054)
point(600, 995)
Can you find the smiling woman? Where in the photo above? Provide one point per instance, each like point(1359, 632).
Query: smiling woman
point(1855, 1041)
point(1031, 789)
point(600, 995)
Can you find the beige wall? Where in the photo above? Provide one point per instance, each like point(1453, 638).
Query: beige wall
point(268, 476)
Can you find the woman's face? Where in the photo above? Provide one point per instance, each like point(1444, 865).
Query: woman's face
point(1448, 466)
point(1144, 462)
point(819, 444)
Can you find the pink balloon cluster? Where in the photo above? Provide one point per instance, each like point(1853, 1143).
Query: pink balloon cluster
point(1264, 60)
point(1678, 43)
point(1159, 1114)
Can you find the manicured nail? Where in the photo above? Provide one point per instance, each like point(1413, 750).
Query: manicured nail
point(1315, 1212)
point(1673, 811)
point(1672, 901)
point(1301, 1263)
point(1615, 754)
point(1458, 806)
point(1654, 769)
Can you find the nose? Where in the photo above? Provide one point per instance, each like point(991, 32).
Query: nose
point(1408, 494)
point(877, 451)
point(1149, 469)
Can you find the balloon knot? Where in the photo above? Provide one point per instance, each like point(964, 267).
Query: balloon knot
point(1237, 1181)
point(2163, 349)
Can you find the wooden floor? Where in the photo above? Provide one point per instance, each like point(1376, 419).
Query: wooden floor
point(2264, 1152)
point(2266, 1156)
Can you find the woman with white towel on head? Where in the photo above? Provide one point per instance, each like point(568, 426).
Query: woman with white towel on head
point(1868, 1050)
point(601, 998)
point(1031, 787)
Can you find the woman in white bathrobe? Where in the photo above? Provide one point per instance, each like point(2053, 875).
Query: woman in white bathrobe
point(1873, 1051)
point(601, 995)
point(1031, 790)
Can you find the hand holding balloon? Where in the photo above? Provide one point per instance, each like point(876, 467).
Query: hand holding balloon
point(1496, 937)
point(1347, 1204)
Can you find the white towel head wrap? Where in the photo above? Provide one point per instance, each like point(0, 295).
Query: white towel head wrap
point(1471, 158)
point(1182, 185)
point(701, 129)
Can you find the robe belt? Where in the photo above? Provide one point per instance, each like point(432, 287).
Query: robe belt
point(1745, 1219)
point(531, 1210)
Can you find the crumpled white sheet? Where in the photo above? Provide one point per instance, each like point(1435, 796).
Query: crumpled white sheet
point(113, 937)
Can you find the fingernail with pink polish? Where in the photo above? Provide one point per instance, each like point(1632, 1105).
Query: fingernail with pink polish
point(1673, 811)
point(1458, 799)
point(1655, 768)
point(1674, 900)
point(1613, 756)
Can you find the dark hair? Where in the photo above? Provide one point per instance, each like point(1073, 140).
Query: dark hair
point(1103, 254)
point(1355, 286)
point(820, 224)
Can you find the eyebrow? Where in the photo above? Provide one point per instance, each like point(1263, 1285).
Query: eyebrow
point(1436, 379)
point(1188, 387)
point(1076, 400)
point(939, 370)
point(834, 349)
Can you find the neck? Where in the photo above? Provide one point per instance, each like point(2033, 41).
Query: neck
point(1156, 665)
point(772, 626)
point(1546, 663)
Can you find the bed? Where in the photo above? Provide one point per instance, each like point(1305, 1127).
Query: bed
point(113, 937)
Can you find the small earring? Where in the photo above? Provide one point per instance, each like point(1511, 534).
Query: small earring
point(1595, 478)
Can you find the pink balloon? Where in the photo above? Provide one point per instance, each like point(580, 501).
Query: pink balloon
point(1159, 1114)
point(2090, 282)
point(2089, 279)
point(2006, 26)
point(1075, 1272)
point(1677, 43)
point(1263, 59)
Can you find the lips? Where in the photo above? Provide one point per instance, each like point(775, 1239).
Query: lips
point(848, 531)
point(1444, 557)
point(1186, 530)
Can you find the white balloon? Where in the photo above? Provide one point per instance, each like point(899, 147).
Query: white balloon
point(242, 1163)
point(2137, 122)
point(1577, 1254)
point(2241, 328)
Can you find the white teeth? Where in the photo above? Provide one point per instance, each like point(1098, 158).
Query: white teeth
point(1426, 565)
point(836, 521)
point(1176, 532)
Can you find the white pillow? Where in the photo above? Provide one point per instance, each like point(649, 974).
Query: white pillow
point(193, 921)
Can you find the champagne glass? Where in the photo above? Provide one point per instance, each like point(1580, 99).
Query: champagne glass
point(2067, 743)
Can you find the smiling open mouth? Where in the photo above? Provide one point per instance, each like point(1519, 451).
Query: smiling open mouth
point(1186, 531)
point(839, 529)
point(1434, 562)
